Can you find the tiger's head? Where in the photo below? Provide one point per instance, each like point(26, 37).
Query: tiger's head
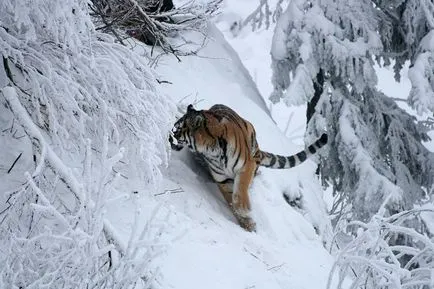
point(182, 131)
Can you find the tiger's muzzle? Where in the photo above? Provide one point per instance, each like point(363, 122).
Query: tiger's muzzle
point(174, 139)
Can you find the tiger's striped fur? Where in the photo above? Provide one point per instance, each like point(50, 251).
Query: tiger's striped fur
point(227, 143)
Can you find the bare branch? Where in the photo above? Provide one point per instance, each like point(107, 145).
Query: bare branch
point(155, 23)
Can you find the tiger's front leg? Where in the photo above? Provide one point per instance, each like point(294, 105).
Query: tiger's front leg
point(240, 197)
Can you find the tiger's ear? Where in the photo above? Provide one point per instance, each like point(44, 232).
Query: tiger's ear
point(190, 108)
point(198, 120)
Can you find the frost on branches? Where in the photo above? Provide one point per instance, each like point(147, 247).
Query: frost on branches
point(323, 53)
point(85, 111)
point(375, 154)
point(379, 257)
point(345, 35)
point(407, 32)
point(337, 36)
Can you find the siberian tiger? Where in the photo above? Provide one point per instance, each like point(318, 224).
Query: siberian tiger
point(227, 144)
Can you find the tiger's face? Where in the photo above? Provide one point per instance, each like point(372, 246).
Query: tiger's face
point(182, 130)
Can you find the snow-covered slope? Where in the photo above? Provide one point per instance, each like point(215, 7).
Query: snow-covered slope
point(253, 48)
point(212, 251)
point(193, 236)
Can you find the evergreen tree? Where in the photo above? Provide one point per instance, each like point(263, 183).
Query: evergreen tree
point(323, 53)
point(407, 34)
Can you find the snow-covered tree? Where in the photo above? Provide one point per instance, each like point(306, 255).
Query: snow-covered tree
point(88, 113)
point(406, 29)
point(323, 53)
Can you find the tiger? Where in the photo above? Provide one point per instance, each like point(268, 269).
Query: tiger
point(227, 144)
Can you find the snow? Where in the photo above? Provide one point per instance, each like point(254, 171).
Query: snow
point(254, 50)
point(427, 42)
point(14, 142)
point(278, 47)
point(251, 47)
point(203, 245)
point(183, 222)
point(285, 252)
point(400, 90)
point(210, 247)
point(421, 94)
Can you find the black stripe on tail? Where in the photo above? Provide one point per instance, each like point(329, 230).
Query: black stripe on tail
point(273, 161)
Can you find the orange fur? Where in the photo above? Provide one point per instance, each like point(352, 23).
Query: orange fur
point(228, 145)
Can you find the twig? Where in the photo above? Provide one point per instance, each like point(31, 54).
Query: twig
point(256, 257)
point(13, 164)
point(398, 99)
point(7, 69)
point(276, 268)
point(9, 203)
point(13, 122)
point(32, 218)
point(116, 172)
point(10, 76)
point(163, 81)
point(110, 260)
point(212, 220)
point(172, 191)
point(98, 151)
point(108, 25)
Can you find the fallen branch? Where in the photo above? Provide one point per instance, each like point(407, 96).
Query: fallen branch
point(153, 25)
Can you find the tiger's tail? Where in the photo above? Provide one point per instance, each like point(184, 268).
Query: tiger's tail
point(273, 161)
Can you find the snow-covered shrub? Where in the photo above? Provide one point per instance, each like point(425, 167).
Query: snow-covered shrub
point(379, 256)
point(92, 112)
point(44, 245)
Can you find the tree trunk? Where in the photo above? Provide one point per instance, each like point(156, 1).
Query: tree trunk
point(318, 86)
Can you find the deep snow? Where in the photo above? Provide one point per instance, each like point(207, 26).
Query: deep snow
point(213, 251)
point(198, 242)
point(195, 238)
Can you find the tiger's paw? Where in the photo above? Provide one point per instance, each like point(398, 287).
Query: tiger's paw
point(247, 224)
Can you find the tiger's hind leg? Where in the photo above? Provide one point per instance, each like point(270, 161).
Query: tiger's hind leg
point(227, 188)
point(240, 197)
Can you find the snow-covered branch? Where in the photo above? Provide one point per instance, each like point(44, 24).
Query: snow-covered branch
point(262, 14)
point(421, 75)
point(46, 153)
point(372, 260)
point(371, 160)
point(375, 148)
point(89, 111)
